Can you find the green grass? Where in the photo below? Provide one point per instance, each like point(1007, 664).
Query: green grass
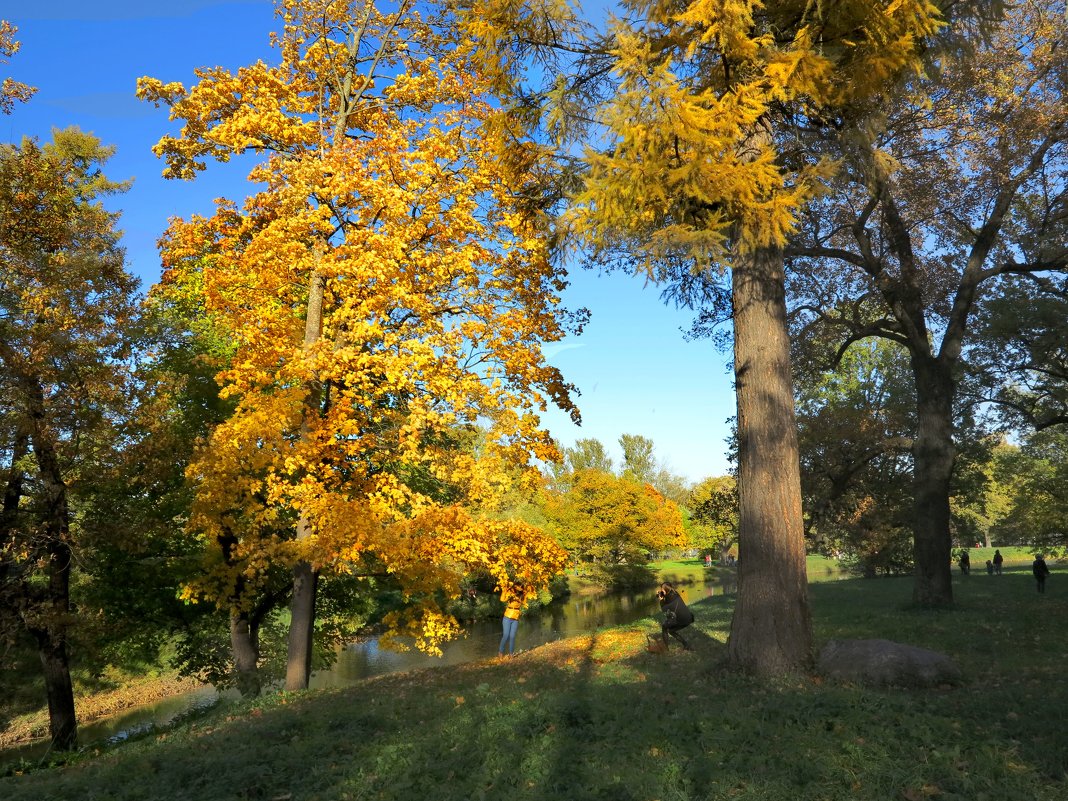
point(597, 717)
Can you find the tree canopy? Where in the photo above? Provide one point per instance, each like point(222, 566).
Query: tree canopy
point(386, 290)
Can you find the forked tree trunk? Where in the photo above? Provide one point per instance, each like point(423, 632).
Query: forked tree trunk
point(771, 628)
point(933, 457)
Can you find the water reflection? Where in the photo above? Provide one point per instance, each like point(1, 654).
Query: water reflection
point(578, 614)
point(582, 612)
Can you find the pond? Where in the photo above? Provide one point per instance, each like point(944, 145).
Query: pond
point(584, 610)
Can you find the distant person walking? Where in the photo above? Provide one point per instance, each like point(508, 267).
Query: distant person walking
point(1038, 567)
point(998, 559)
point(965, 561)
point(677, 614)
point(513, 606)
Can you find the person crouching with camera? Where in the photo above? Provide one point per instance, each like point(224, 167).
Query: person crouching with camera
point(677, 614)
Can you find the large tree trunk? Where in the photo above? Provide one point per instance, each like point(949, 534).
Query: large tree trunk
point(933, 457)
point(305, 577)
point(771, 632)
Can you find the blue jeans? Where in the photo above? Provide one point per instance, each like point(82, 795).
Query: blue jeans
point(510, 628)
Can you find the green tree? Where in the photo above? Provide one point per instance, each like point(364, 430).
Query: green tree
point(713, 506)
point(638, 461)
point(855, 433)
point(1036, 476)
point(587, 454)
point(65, 309)
point(965, 186)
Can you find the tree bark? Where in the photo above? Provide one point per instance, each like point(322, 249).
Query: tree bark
point(301, 626)
point(305, 577)
point(244, 642)
point(771, 631)
point(49, 620)
point(62, 720)
point(933, 457)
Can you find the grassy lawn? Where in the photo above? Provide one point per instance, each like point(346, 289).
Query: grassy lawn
point(597, 717)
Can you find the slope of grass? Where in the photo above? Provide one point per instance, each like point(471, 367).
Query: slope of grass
point(598, 717)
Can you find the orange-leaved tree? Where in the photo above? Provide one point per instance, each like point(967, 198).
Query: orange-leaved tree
point(387, 289)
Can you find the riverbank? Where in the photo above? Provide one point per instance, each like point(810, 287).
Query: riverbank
point(597, 717)
point(133, 692)
point(126, 692)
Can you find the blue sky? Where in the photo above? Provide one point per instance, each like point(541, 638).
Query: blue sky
point(636, 372)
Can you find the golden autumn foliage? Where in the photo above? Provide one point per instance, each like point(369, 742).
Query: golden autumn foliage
point(610, 519)
point(379, 188)
point(680, 159)
point(11, 91)
point(698, 82)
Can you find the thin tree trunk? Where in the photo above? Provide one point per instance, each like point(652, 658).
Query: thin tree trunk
point(771, 628)
point(305, 577)
point(244, 641)
point(54, 610)
point(9, 519)
point(933, 457)
point(62, 720)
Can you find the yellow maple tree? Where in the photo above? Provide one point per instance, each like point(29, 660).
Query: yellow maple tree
point(386, 290)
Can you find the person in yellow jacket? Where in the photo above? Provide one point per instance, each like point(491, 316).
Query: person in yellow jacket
point(513, 605)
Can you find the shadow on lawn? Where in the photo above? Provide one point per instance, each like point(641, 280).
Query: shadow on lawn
point(597, 717)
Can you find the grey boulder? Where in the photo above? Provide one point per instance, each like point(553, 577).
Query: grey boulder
point(883, 663)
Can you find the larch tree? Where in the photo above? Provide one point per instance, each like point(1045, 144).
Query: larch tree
point(387, 289)
point(65, 308)
point(689, 169)
point(966, 185)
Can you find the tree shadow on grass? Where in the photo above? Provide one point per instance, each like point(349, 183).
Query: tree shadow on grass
point(597, 717)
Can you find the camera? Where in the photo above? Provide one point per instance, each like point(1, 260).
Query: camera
point(660, 594)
